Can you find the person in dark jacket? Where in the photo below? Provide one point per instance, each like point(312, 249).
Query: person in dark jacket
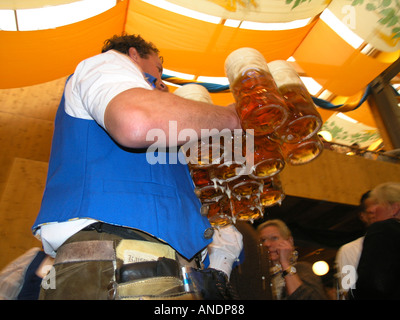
point(378, 269)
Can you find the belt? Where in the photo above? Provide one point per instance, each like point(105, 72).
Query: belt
point(94, 250)
point(133, 234)
point(125, 250)
point(124, 233)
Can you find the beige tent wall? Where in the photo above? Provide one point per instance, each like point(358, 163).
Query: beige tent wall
point(26, 127)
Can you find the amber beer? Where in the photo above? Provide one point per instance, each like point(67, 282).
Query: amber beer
point(303, 152)
point(272, 192)
point(244, 186)
point(304, 120)
point(259, 104)
point(202, 152)
point(219, 212)
point(233, 160)
point(247, 209)
point(226, 171)
point(203, 157)
point(268, 158)
point(300, 125)
point(205, 189)
point(200, 176)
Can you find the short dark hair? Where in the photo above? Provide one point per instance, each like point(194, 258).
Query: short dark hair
point(123, 42)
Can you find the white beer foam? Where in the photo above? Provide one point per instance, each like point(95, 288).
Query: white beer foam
point(194, 91)
point(241, 60)
point(283, 73)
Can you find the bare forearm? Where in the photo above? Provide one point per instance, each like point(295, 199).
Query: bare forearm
point(131, 115)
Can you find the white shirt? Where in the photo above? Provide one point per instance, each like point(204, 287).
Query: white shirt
point(94, 83)
point(99, 79)
point(348, 255)
point(12, 277)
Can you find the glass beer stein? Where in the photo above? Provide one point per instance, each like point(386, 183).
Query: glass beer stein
point(202, 152)
point(267, 157)
point(259, 104)
point(272, 192)
point(244, 186)
point(304, 120)
point(233, 160)
point(209, 193)
point(226, 172)
point(200, 176)
point(303, 152)
point(247, 209)
point(219, 212)
point(205, 188)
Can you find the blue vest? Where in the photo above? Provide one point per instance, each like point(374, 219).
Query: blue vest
point(91, 176)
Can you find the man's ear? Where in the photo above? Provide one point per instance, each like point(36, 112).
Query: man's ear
point(133, 54)
point(396, 210)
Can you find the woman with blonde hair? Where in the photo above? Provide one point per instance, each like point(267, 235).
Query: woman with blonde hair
point(290, 280)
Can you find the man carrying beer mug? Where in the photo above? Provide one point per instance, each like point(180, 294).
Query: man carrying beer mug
point(119, 227)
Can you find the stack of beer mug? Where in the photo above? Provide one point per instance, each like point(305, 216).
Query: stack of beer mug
point(235, 174)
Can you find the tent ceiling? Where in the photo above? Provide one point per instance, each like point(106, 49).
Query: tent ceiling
point(29, 4)
point(255, 10)
point(200, 48)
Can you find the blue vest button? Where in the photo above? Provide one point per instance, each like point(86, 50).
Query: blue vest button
point(208, 233)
